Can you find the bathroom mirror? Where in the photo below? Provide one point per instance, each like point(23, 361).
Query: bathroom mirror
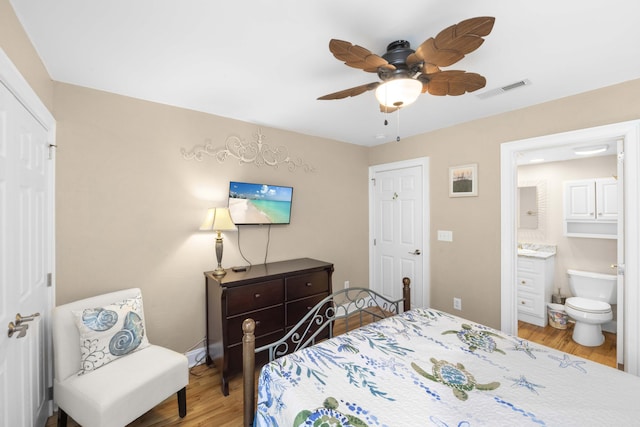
point(528, 207)
point(532, 206)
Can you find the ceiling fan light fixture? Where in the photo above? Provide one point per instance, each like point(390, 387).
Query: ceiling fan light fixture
point(398, 92)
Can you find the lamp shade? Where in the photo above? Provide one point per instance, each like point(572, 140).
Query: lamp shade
point(218, 219)
point(398, 92)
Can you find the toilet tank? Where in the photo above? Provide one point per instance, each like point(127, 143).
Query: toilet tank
point(597, 286)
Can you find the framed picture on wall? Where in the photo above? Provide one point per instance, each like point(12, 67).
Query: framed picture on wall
point(463, 180)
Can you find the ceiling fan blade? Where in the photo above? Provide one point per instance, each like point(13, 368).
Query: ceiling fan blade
point(357, 56)
point(354, 91)
point(453, 82)
point(430, 54)
point(454, 42)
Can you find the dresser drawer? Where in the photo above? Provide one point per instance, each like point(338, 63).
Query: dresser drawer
point(304, 285)
point(297, 309)
point(267, 321)
point(252, 297)
point(234, 352)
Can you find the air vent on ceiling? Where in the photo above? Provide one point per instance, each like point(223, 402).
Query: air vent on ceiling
point(503, 89)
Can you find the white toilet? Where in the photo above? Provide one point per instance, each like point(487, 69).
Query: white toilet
point(590, 306)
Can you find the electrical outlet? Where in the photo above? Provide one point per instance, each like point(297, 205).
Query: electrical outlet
point(457, 303)
point(346, 284)
point(445, 235)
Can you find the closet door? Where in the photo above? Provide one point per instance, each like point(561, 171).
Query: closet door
point(26, 251)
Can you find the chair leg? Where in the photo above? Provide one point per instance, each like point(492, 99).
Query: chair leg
point(62, 418)
point(182, 402)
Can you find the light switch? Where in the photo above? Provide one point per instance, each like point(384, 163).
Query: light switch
point(445, 235)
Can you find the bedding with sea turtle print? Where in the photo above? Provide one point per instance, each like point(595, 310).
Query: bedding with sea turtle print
point(429, 368)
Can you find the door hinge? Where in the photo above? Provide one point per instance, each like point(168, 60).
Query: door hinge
point(621, 156)
point(52, 147)
point(50, 393)
point(374, 181)
point(49, 280)
point(374, 242)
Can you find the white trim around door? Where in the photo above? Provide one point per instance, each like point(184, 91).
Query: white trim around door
point(629, 132)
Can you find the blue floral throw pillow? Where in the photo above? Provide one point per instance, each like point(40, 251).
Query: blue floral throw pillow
point(110, 332)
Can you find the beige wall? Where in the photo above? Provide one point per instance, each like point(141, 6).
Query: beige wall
point(129, 206)
point(575, 253)
point(469, 267)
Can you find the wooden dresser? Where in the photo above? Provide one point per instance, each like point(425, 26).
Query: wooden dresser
point(276, 295)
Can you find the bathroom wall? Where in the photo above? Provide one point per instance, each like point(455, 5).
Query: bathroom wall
point(576, 253)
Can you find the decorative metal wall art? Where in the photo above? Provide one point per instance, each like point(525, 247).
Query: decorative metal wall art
point(257, 152)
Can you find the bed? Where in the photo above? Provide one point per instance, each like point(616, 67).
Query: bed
point(430, 368)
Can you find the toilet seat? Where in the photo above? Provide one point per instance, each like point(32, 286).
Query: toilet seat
point(588, 305)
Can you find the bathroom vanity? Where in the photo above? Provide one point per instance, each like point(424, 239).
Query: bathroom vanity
point(535, 283)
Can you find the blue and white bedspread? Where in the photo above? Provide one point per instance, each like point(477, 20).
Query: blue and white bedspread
point(430, 368)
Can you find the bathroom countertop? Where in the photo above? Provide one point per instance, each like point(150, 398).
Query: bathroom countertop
point(535, 250)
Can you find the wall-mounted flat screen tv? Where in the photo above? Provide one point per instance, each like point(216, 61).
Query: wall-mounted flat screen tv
point(259, 203)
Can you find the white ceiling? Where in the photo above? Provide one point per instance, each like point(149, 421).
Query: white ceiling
point(266, 62)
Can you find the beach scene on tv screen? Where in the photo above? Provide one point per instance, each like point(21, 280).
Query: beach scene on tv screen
point(259, 203)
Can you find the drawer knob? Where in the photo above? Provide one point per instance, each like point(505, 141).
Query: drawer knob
point(522, 302)
point(522, 282)
point(309, 307)
point(256, 296)
point(257, 322)
point(309, 284)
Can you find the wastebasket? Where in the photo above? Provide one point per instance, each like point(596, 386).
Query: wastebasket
point(558, 318)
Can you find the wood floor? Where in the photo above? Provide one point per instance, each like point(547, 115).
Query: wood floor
point(561, 339)
point(206, 406)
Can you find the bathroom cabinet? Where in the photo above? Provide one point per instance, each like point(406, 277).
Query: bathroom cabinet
point(535, 286)
point(591, 208)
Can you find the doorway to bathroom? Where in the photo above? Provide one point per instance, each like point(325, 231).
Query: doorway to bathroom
point(513, 154)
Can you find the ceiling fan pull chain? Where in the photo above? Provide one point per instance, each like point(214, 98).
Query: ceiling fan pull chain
point(398, 127)
point(386, 109)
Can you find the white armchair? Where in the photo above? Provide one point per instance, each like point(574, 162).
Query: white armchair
point(117, 392)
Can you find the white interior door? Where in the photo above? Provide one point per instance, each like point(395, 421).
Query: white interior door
point(399, 231)
point(26, 253)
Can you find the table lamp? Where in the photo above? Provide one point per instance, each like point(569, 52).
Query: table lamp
point(218, 220)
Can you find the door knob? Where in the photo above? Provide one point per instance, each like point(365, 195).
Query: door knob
point(20, 319)
point(20, 329)
point(416, 252)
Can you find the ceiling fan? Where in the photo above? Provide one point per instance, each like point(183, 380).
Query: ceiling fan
point(405, 73)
